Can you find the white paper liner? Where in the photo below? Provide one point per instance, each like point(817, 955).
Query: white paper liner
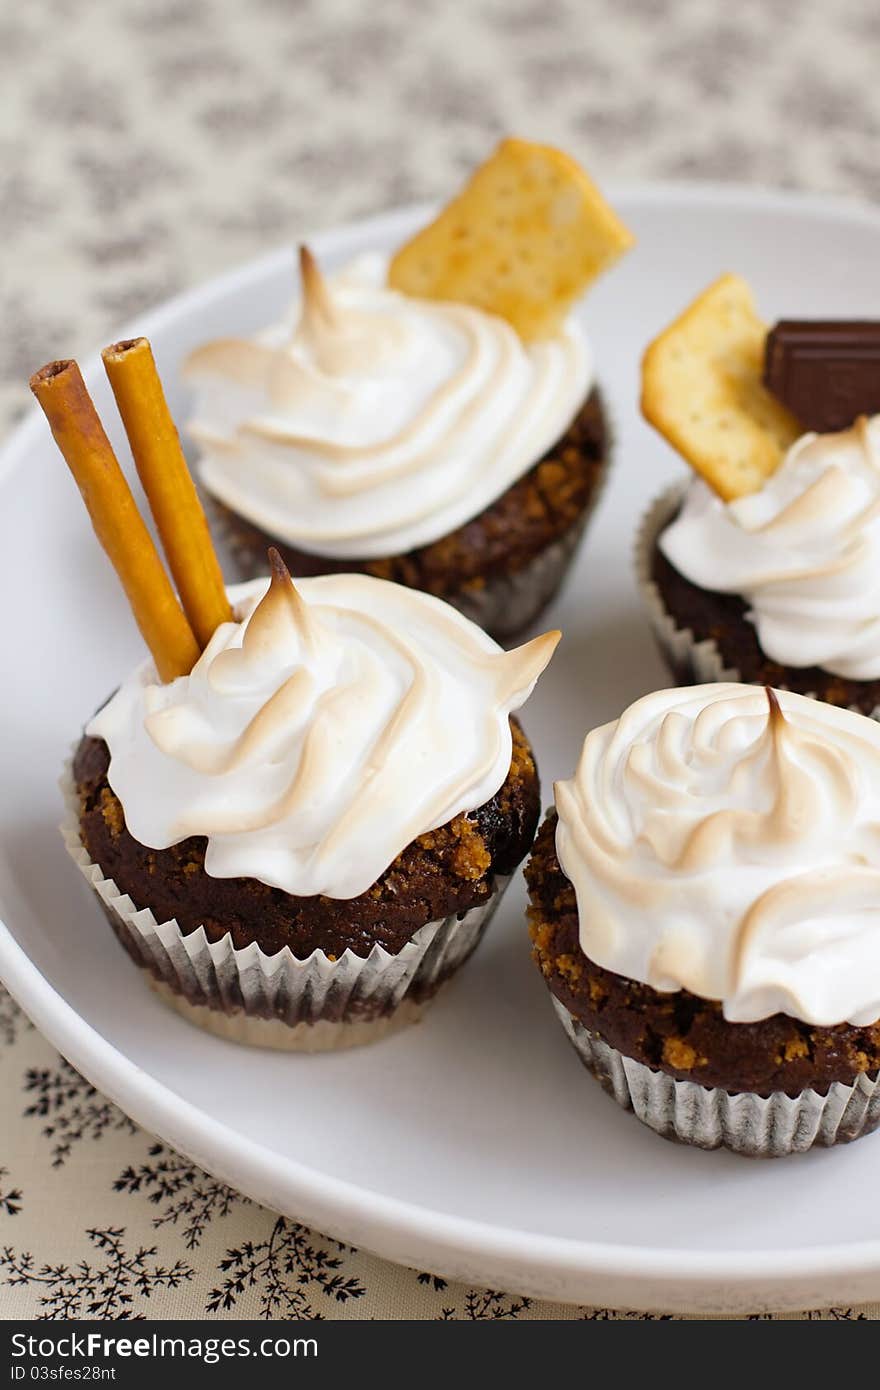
point(510, 602)
point(274, 1033)
point(691, 662)
point(757, 1126)
point(280, 1001)
point(503, 607)
point(701, 662)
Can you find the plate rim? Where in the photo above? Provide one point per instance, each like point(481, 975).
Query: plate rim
point(555, 1267)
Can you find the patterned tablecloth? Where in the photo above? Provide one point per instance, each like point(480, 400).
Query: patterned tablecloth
point(146, 145)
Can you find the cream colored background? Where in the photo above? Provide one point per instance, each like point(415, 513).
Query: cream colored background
point(146, 145)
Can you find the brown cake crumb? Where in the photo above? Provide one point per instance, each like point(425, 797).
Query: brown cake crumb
point(570, 968)
point(112, 813)
point(680, 1033)
point(795, 1047)
point(448, 871)
point(680, 1056)
point(470, 858)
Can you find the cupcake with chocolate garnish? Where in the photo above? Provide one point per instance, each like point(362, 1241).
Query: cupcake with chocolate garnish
point(433, 420)
point(705, 901)
point(300, 822)
point(766, 567)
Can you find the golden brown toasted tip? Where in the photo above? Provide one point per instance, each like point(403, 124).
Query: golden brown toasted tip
point(317, 300)
point(282, 596)
point(523, 665)
point(277, 567)
point(776, 715)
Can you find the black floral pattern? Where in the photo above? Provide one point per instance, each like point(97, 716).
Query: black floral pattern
point(609, 1315)
point(10, 1197)
point(114, 1285)
point(839, 1315)
point(187, 1196)
point(285, 1269)
point(147, 147)
point(12, 1020)
point(73, 1108)
point(486, 1305)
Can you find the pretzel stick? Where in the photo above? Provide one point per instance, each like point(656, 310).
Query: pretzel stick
point(118, 524)
point(174, 502)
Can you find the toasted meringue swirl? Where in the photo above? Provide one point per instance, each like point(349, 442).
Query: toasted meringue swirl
point(380, 422)
point(804, 552)
point(320, 733)
point(730, 846)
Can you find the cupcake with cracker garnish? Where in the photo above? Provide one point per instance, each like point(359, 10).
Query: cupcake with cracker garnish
point(298, 814)
point(766, 567)
point(433, 419)
point(705, 910)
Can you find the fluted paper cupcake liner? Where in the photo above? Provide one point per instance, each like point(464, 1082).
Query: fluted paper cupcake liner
point(691, 662)
point(508, 603)
point(710, 1118)
point(503, 606)
point(281, 1001)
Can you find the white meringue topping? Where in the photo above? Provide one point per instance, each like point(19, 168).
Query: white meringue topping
point(803, 552)
point(729, 845)
point(320, 733)
point(380, 422)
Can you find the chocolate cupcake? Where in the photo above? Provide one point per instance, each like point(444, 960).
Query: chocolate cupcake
point(766, 568)
point(406, 425)
point(781, 587)
point(704, 905)
point(300, 822)
point(302, 839)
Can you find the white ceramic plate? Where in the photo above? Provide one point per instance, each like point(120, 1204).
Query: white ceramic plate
point(473, 1145)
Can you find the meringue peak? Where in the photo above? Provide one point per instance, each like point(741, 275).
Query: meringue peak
point(522, 666)
point(335, 721)
point(318, 308)
point(775, 716)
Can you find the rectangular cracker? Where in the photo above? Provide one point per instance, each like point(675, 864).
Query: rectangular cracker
point(701, 388)
point(525, 237)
